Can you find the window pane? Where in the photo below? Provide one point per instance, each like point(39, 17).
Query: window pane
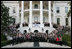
point(66, 21)
point(36, 6)
point(66, 9)
point(57, 9)
point(58, 20)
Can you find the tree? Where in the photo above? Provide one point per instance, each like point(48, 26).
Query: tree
point(6, 20)
point(68, 14)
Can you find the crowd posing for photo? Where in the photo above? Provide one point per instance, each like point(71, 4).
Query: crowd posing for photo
point(55, 35)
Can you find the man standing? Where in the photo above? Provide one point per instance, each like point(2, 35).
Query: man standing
point(60, 40)
point(14, 40)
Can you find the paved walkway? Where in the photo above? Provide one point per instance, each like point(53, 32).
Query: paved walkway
point(45, 44)
point(32, 45)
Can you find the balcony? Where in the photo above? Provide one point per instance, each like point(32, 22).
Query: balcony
point(25, 24)
point(46, 24)
point(36, 24)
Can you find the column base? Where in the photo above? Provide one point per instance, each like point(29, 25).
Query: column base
point(42, 25)
point(21, 25)
point(51, 26)
point(30, 25)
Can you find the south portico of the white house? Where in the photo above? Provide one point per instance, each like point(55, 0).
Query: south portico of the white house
point(32, 25)
point(39, 15)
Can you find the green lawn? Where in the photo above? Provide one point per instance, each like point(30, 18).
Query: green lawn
point(67, 39)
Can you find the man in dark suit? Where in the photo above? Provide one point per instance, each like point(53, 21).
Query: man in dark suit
point(14, 40)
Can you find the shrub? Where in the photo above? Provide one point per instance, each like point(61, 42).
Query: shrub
point(4, 43)
point(3, 37)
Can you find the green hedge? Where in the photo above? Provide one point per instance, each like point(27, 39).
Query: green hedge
point(3, 37)
point(66, 39)
point(4, 43)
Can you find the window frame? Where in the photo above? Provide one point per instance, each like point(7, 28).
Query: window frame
point(35, 6)
point(58, 21)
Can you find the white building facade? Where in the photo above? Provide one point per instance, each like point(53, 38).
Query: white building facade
point(35, 14)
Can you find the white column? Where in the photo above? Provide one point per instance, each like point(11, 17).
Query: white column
point(17, 14)
point(30, 15)
point(41, 13)
point(22, 13)
point(49, 6)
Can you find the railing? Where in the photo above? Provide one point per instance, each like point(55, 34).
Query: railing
point(36, 24)
point(46, 24)
point(25, 24)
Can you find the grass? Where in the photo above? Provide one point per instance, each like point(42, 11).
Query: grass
point(66, 39)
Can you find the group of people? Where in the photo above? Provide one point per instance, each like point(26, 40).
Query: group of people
point(18, 37)
point(31, 37)
point(55, 35)
point(37, 36)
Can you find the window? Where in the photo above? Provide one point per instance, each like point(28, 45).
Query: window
point(57, 9)
point(43, 7)
point(66, 21)
point(14, 10)
point(28, 7)
point(13, 20)
point(66, 9)
point(36, 19)
point(58, 20)
point(43, 19)
point(36, 6)
point(28, 19)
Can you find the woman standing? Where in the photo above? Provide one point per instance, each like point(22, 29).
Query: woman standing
point(57, 40)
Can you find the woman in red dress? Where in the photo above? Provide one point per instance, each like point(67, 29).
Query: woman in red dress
point(57, 40)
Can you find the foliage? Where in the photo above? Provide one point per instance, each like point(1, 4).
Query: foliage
point(68, 14)
point(66, 39)
point(4, 43)
point(3, 37)
point(6, 20)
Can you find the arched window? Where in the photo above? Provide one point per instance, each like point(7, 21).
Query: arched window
point(36, 6)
